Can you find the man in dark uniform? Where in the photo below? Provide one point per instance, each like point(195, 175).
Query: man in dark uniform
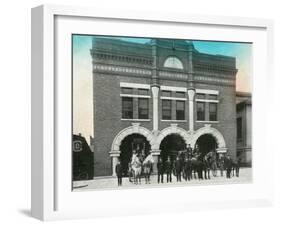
point(160, 169)
point(118, 171)
point(189, 169)
point(169, 169)
point(189, 151)
point(184, 169)
point(178, 169)
point(237, 167)
point(207, 168)
point(228, 166)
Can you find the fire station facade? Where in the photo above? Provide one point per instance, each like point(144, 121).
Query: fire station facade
point(160, 97)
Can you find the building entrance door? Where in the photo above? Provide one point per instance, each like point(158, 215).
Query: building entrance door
point(133, 142)
point(171, 145)
point(206, 143)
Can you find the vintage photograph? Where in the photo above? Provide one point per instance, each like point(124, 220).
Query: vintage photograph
point(150, 112)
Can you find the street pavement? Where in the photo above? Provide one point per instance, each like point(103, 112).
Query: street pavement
point(102, 183)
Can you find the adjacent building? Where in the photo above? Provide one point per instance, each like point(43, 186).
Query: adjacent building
point(160, 97)
point(244, 127)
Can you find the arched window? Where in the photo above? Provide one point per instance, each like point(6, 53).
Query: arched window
point(173, 62)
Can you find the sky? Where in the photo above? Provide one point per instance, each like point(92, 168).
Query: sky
point(82, 74)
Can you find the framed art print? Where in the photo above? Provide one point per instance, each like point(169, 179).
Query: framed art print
point(128, 108)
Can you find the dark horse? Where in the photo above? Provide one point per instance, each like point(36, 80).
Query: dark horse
point(201, 166)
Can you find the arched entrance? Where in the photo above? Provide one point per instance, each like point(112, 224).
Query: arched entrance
point(132, 142)
point(171, 145)
point(115, 147)
point(206, 143)
point(216, 134)
point(173, 129)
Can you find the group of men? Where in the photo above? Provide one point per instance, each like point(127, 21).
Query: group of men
point(200, 168)
point(188, 164)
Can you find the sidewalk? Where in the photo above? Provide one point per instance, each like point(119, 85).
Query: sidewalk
point(111, 182)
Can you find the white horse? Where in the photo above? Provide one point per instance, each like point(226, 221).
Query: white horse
point(136, 168)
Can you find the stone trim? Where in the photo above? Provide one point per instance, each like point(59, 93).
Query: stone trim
point(134, 85)
point(207, 121)
point(135, 128)
point(207, 100)
point(120, 69)
point(207, 91)
point(134, 95)
point(216, 80)
point(173, 98)
point(135, 119)
point(207, 129)
point(173, 88)
point(172, 120)
point(171, 130)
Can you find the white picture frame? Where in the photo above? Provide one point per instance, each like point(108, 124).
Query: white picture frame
point(52, 197)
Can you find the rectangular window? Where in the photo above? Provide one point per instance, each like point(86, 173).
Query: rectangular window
point(200, 96)
point(127, 107)
point(143, 108)
point(180, 110)
point(166, 93)
point(213, 97)
point(126, 90)
point(143, 92)
point(200, 111)
point(239, 128)
point(180, 94)
point(213, 111)
point(166, 109)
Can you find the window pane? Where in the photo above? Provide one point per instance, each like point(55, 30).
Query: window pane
point(180, 94)
point(127, 90)
point(180, 110)
point(213, 97)
point(200, 96)
point(143, 92)
point(173, 62)
point(143, 108)
point(166, 109)
point(213, 111)
point(166, 93)
point(127, 107)
point(200, 111)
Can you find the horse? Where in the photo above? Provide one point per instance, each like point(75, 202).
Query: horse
point(214, 167)
point(198, 166)
point(194, 167)
point(213, 162)
point(137, 169)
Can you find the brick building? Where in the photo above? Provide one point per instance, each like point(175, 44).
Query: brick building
point(159, 97)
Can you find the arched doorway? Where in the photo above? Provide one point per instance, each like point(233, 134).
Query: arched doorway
point(171, 145)
point(217, 135)
point(132, 142)
point(206, 143)
point(173, 129)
